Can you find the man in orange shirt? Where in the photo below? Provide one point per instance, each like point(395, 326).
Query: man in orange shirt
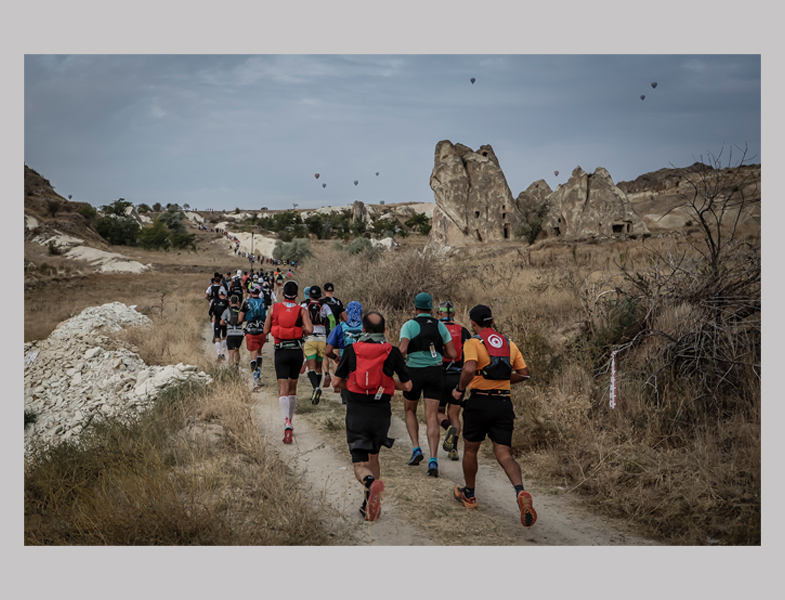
point(491, 363)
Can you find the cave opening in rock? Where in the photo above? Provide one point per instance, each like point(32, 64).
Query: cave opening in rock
point(506, 232)
point(479, 237)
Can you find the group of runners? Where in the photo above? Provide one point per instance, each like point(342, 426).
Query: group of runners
point(436, 360)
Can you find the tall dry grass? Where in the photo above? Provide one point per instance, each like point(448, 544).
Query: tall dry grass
point(685, 476)
point(192, 471)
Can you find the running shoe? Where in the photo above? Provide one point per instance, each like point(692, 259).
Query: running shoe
point(374, 506)
point(460, 495)
point(528, 514)
point(257, 381)
point(453, 454)
point(449, 440)
point(327, 381)
point(364, 508)
point(287, 432)
point(416, 458)
point(317, 393)
point(433, 468)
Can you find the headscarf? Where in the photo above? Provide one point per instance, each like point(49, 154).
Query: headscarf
point(354, 314)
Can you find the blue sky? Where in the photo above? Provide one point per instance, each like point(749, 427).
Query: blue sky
point(224, 131)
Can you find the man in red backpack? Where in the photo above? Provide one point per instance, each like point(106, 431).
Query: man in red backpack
point(449, 415)
point(491, 363)
point(366, 371)
point(288, 322)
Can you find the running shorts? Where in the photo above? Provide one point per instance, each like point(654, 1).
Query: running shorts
point(234, 342)
point(219, 331)
point(254, 341)
point(366, 429)
point(449, 381)
point(314, 349)
point(426, 381)
point(488, 415)
point(288, 363)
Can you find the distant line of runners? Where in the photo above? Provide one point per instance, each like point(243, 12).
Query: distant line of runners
point(436, 359)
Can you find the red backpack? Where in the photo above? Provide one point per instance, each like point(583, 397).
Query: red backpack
point(287, 322)
point(498, 347)
point(455, 331)
point(368, 377)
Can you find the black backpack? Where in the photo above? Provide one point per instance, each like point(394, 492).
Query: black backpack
point(315, 312)
point(429, 333)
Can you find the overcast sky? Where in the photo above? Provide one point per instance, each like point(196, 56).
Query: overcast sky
point(226, 131)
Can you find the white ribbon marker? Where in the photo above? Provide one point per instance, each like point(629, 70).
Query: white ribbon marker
point(613, 379)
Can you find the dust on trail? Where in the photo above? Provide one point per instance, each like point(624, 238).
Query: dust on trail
point(417, 510)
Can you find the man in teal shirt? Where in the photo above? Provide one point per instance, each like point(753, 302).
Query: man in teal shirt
point(424, 341)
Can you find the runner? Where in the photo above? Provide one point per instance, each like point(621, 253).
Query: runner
point(339, 312)
point(234, 330)
point(424, 341)
point(278, 282)
point(236, 286)
point(211, 293)
point(451, 421)
point(219, 331)
point(254, 313)
point(321, 316)
point(491, 363)
point(345, 334)
point(366, 371)
point(288, 322)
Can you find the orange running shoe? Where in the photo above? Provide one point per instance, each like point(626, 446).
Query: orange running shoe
point(460, 496)
point(374, 507)
point(528, 514)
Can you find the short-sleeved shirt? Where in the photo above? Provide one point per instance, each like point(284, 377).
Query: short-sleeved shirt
point(422, 358)
point(236, 330)
point(336, 306)
point(474, 349)
point(394, 364)
point(319, 330)
point(252, 327)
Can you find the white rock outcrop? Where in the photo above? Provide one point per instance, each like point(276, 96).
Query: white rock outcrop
point(78, 374)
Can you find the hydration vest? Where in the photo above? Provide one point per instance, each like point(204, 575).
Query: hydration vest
point(368, 377)
point(429, 334)
point(257, 310)
point(350, 334)
point(287, 322)
point(455, 331)
point(498, 347)
point(315, 312)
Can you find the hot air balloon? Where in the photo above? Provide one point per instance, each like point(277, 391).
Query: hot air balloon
point(316, 175)
point(356, 182)
point(654, 84)
point(643, 97)
point(377, 173)
point(556, 173)
point(324, 185)
point(472, 80)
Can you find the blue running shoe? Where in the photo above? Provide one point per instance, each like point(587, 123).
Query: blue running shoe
point(433, 468)
point(416, 458)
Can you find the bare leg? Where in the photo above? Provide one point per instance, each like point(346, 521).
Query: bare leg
point(412, 426)
point(508, 463)
point(470, 450)
point(433, 431)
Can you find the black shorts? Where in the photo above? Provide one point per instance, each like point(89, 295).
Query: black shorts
point(449, 381)
point(234, 342)
point(426, 381)
point(366, 429)
point(219, 331)
point(288, 363)
point(488, 415)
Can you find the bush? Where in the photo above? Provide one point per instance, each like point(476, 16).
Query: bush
point(155, 236)
point(183, 241)
point(533, 217)
point(118, 230)
point(88, 212)
point(297, 250)
point(53, 249)
point(53, 207)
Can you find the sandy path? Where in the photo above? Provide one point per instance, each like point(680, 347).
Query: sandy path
point(418, 510)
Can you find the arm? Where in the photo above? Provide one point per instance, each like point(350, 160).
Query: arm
point(449, 350)
point(467, 374)
point(329, 352)
point(519, 375)
point(403, 345)
point(268, 323)
point(307, 325)
point(406, 387)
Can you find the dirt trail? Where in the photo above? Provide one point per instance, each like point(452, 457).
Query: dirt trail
point(416, 509)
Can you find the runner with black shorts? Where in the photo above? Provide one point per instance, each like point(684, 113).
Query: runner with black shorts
point(449, 415)
point(491, 363)
point(234, 330)
point(217, 308)
point(424, 341)
point(366, 373)
point(288, 322)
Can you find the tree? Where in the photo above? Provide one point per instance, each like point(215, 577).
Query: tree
point(296, 250)
point(116, 208)
point(155, 236)
point(118, 230)
point(186, 206)
point(174, 219)
point(53, 207)
point(157, 207)
point(534, 214)
point(420, 222)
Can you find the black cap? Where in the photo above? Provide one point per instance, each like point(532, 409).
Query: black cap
point(329, 287)
point(315, 292)
point(481, 315)
point(290, 289)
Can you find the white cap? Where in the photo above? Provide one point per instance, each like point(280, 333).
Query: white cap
point(239, 271)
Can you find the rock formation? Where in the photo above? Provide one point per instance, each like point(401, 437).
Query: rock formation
point(78, 374)
point(473, 201)
point(588, 205)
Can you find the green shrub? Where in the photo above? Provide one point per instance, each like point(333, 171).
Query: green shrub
point(155, 236)
point(88, 212)
point(296, 250)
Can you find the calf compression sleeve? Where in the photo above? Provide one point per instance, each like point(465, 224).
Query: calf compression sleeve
point(283, 402)
point(292, 406)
